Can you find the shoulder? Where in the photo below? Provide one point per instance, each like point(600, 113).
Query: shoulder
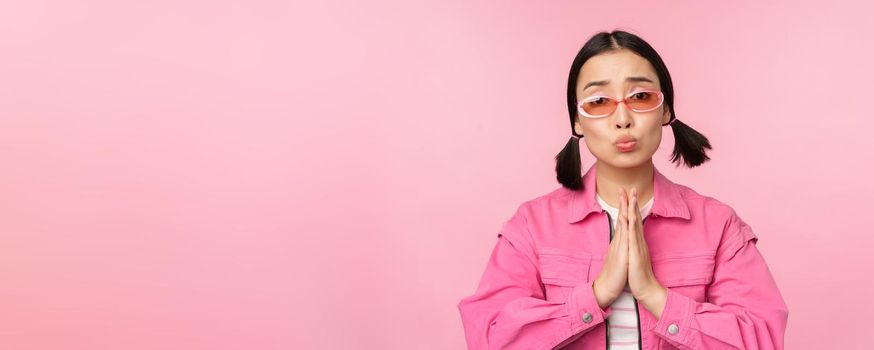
point(550, 204)
point(720, 216)
point(548, 208)
point(705, 205)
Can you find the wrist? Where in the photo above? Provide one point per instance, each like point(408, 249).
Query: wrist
point(603, 298)
point(654, 301)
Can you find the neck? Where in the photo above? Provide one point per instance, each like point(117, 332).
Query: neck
point(610, 179)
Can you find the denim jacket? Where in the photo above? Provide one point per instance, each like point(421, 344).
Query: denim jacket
point(536, 290)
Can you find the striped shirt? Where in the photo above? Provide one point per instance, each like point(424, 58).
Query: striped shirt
point(622, 333)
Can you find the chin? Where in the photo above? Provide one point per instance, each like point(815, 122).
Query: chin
point(627, 164)
point(627, 160)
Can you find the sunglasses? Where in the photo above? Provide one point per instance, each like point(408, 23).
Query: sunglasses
point(638, 101)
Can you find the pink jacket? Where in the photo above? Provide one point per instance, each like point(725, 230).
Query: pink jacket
point(536, 291)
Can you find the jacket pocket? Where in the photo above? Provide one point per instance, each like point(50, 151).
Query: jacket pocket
point(561, 270)
point(687, 273)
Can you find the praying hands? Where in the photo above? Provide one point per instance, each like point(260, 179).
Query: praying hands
point(628, 261)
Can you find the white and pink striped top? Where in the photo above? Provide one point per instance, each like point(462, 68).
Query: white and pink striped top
point(622, 333)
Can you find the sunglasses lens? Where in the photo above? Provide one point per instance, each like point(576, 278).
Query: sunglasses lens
point(599, 106)
point(643, 101)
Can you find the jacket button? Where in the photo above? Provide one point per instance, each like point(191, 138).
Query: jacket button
point(673, 329)
point(587, 317)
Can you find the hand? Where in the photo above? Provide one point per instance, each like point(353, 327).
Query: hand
point(614, 274)
point(641, 280)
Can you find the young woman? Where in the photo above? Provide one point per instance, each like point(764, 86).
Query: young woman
point(621, 257)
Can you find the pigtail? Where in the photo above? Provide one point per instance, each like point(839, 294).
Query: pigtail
point(567, 165)
point(689, 144)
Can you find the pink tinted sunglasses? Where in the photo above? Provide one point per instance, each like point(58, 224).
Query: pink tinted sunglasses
point(600, 106)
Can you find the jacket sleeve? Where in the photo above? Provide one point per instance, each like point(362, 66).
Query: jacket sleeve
point(508, 309)
point(744, 310)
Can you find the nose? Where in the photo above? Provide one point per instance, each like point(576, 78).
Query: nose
point(622, 117)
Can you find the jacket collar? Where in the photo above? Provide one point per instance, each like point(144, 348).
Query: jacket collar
point(667, 199)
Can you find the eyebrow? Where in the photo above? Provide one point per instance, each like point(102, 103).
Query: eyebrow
point(605, 82)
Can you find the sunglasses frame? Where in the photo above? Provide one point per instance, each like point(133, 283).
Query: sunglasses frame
point(616, 103)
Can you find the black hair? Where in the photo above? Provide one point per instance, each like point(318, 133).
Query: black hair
point(689, 144)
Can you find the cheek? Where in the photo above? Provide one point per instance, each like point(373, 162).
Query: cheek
point(600, 146)
point(655, 137)
point(596, 139)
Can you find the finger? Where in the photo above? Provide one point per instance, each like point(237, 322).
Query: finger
point(623, 206)
point(633, 218)
point(622, 220)
point(633, 211)
point(622, 223)
point(617, 225)
point(615, 232)
point(639, 241)
point(632, 234)
point(638, 223)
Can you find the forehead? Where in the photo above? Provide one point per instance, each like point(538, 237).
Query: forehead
point(615, 66)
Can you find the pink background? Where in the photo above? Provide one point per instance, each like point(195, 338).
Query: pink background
point(259, 175)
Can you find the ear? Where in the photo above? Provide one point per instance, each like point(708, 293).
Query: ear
point(666, 117)
point(578, 128)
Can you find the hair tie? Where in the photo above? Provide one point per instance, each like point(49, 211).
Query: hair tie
point(670, 122)
point(574, 136)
